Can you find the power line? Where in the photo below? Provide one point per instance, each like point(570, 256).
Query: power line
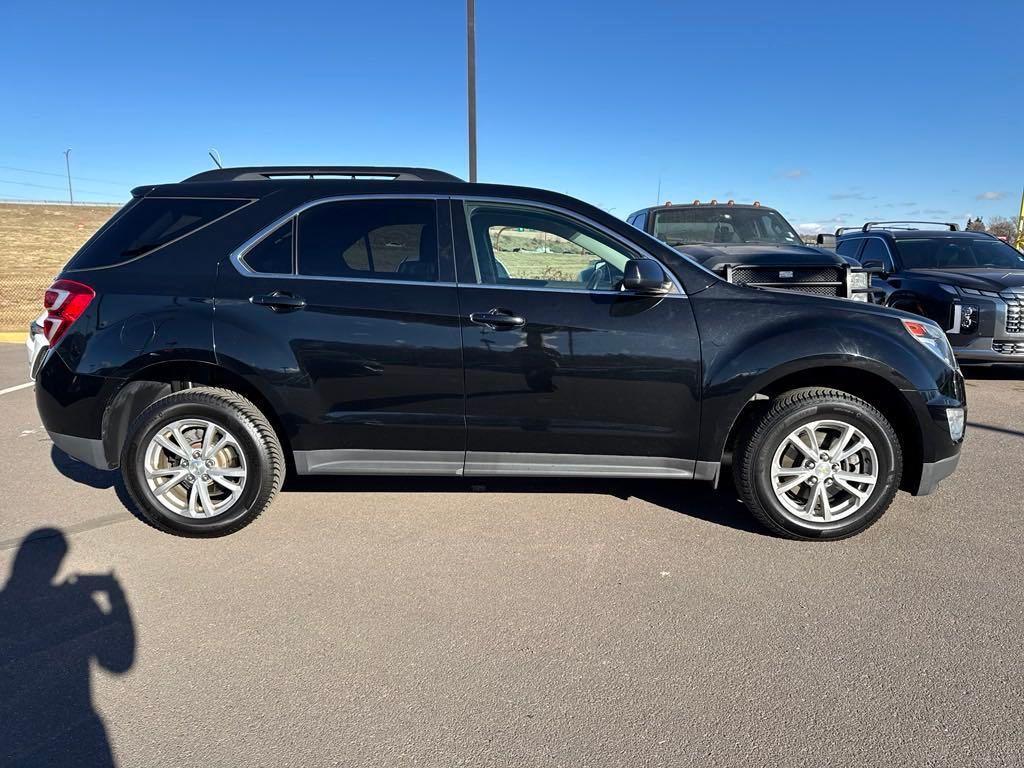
point(61, 175)
point(48, 186)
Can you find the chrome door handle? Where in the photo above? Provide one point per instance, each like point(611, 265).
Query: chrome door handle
point(279, 301)
point(498, 319)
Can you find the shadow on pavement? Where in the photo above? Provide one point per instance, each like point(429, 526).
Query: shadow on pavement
point(992, 428)
point(80, 472)
point(696, 499)
point(993, 372)
point(50, 632)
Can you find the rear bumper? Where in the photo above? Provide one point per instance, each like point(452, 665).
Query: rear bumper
point(84, 449)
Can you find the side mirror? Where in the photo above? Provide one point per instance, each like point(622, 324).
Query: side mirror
point(645, 276)
point(874, 266)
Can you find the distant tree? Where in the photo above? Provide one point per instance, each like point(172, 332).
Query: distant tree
point(975, 225)
point(1003, 227)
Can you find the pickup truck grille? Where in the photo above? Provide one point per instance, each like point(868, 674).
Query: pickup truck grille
point(1014, 311)
point(820, 281)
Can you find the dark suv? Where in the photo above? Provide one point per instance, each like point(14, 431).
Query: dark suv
point(752, 245)
point(222, 331)
point(970, 283)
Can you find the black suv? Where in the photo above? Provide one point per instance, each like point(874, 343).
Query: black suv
point(222, 331)
point(970, 283)
point(752, 245)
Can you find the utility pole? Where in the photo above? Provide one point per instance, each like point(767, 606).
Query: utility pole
point(471, 82)
point(67, 164)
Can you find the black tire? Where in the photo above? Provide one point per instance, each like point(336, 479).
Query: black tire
point(755, 452)
point(264, 459)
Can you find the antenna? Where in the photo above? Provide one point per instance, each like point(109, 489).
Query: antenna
point(215, 156)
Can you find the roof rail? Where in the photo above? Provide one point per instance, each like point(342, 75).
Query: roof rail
point(902, 225)
point(841, 230)
point(257, 173)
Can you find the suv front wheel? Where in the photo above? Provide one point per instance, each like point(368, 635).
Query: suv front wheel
point(202, 462)
point(819, 464)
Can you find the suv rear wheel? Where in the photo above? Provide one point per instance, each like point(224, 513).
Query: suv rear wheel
point(819, 464)
point(202, 462)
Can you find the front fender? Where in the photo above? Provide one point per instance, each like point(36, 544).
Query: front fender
point(749, 343)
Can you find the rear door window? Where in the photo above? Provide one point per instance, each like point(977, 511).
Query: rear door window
point(147, 224)
point(375, 239)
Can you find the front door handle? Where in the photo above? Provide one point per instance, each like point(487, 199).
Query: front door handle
point(279, 301)
point(498, 319)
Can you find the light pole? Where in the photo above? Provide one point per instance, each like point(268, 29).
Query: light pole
point(67, 164)
point(471, 82)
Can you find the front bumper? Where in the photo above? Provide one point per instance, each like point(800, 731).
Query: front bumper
point(985, 350)
point(934, 472)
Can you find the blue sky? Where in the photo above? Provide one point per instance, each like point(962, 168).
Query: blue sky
point(831, 113)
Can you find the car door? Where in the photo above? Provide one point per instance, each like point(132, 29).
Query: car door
point(565, 373)
point(346, 315)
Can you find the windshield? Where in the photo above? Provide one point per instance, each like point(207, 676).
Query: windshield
point(714, 224)
point(958, 253)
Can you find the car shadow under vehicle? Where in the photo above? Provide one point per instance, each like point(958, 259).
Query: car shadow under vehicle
point(695, 499)
point(698, 500)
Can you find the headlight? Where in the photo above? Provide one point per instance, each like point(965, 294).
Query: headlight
point(970, 316)
point(859, 284)
point(933, 339)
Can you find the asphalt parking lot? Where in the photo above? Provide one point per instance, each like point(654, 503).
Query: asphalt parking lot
point(435, 622)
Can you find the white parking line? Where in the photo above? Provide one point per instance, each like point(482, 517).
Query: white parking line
point(15, 389)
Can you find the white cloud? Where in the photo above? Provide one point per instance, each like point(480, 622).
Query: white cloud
point(795, 173)
point(991, 196)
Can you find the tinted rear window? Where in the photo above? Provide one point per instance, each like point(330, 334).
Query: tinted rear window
point(381, 239)
point(145, 225)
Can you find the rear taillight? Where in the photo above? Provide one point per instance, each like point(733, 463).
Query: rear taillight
point(64, 301)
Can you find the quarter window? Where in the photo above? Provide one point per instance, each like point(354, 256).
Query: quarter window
point(273, 254)
point(392, 239)
point(534, 248)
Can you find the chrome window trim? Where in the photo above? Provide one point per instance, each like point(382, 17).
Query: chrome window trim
point(237, 256)
point(527, 203)
point(576, 291)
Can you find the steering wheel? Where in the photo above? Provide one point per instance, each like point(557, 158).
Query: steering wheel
point(600, 277)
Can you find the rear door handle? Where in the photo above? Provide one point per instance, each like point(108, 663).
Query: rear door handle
point(498, 319)
point(279, 301)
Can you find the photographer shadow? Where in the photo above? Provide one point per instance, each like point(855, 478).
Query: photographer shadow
point(50, 633)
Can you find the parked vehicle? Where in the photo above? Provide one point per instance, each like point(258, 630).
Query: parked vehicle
point(221, 331)
point(970, 283)
point(752, 245)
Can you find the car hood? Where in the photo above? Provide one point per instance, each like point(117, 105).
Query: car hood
point(766, 255)
point(978, 278)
